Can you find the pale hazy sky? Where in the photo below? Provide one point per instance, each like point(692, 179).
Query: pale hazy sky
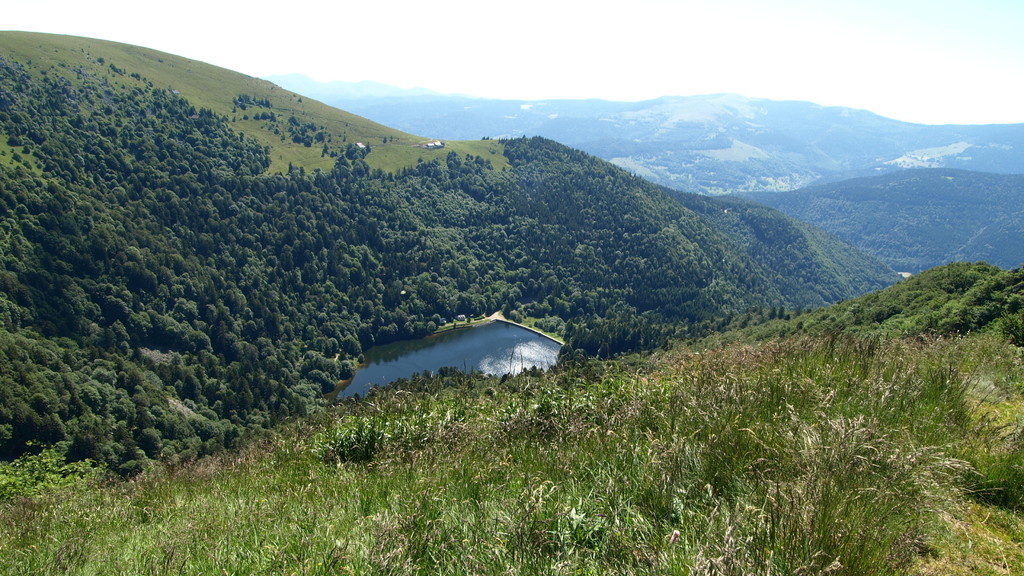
point(929, 61)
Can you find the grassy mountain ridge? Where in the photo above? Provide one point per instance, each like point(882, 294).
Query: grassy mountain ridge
point(165, 291)
point(918, 219)
point(244, 99)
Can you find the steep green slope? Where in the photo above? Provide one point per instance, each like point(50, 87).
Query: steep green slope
point(952, 300)
point(164, 291)
point(804, 259)
point(917, 219)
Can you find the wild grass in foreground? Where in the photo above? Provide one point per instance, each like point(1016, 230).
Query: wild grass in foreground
point(825, 456)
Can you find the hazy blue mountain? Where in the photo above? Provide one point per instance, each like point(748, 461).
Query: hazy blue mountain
point(707, 144)
point(917, 219)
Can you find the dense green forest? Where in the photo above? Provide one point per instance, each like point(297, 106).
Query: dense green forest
point(921, 218)
point(164, 291)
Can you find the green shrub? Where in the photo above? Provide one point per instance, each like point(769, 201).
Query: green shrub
point(1012, 326)
point(33, 474)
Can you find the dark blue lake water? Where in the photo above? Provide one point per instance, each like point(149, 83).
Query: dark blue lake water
point(497, 348)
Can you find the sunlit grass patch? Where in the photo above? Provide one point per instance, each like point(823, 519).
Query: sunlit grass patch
point(799, 456)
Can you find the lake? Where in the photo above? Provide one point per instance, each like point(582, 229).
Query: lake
point(496, 348)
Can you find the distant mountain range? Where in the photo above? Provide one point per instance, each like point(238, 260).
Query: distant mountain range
point(707, 144)
point(918, 219)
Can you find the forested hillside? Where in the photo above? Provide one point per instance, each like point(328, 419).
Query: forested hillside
point(799, 255)
point(164, 289)
point(918, 219)
point(952, 300)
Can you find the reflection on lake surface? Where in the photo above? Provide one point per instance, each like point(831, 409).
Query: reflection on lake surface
point(496, 348)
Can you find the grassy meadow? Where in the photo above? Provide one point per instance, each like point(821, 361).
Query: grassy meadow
point(799, 456)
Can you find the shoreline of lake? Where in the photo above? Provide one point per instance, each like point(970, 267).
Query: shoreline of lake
point(393, 357)
point(496, 317)
point(499, 317)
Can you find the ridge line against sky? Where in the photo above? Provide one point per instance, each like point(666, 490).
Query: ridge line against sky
point(926, 61)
